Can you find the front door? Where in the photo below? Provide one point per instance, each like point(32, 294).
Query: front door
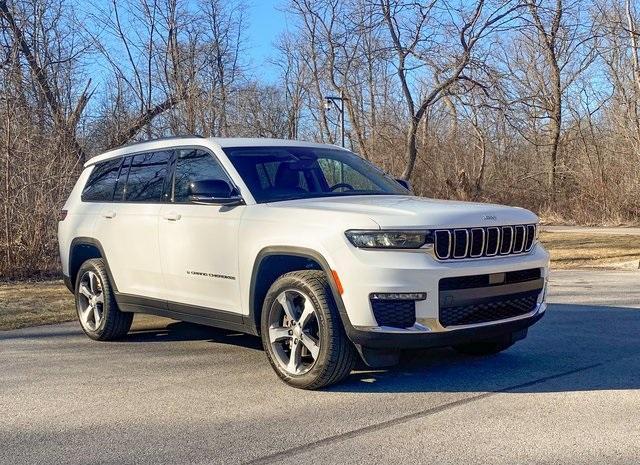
point(199, 243)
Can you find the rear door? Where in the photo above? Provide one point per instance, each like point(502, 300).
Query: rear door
point(127, 227)
point(199, 243)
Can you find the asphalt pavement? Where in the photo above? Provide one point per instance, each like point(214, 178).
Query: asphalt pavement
point(179, 393)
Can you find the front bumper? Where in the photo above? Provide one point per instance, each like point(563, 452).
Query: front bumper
point(390, 339)
point(406, 272)
point(363, 272)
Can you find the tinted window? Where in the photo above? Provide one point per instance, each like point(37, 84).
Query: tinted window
point(339, 173)
point(102, 181)
point(285, 173)
point(121, 184)
point(268, 172)
point(147, 174)
point(194, 165)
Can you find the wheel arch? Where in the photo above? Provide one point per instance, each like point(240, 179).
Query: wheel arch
point(81, 250)
point(272, 262)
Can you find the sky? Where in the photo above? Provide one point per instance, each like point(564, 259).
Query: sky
point(266, 21)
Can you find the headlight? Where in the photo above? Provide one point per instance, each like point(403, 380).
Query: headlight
point(381, 239)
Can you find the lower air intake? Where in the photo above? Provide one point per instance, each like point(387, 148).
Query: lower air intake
point(394, 313)
point(499, 308)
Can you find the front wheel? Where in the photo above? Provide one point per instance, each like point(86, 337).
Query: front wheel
point(302, 333)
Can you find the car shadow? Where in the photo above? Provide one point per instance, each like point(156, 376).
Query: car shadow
point(175, 331)
point(573, 348)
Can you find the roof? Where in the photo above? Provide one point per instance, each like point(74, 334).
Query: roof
point(263, 141)
point(212, 142)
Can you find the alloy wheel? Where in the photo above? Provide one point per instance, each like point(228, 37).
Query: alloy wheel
point(90, 301)
point(294, 332)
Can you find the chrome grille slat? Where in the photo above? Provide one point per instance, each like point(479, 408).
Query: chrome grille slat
point(475, 231)
point(518, 238)
point(506, 250)
point(455, 242)
point(530, 237)
point(443, 235)
point(495, 250)
point(479, 242)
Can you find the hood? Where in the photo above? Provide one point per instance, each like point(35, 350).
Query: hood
point(396, 211)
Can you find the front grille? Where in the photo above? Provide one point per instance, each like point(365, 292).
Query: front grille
point(484, 280)
point(394, 313)
point(455, 244)
point(498, 308)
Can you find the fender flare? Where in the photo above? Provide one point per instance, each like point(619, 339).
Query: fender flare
point(302, 252)
point(90, 241)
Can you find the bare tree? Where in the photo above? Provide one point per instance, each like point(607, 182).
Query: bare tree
point(415, 46)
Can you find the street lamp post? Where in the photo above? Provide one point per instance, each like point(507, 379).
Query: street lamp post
point(332, 101)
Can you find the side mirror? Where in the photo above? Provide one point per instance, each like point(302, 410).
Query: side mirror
point(404, 183)
point(214, 192)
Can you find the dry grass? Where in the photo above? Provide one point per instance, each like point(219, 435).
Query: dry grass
point(34, 303)
point(592, 250)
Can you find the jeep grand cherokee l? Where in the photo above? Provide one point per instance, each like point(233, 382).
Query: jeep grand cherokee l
point(314, 249)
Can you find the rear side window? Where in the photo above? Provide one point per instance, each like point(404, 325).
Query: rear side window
point(102, 181)
point(121, 184)
point(194, 165)
point(147, 174)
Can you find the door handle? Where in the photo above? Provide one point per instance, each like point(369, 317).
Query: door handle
point(172, 216)
point(109, 214)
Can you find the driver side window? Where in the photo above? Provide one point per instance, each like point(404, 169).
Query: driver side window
point(194, 165)
point(336, 172)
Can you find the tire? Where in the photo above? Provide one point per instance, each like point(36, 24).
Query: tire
point(483, 348)
point(95, 300)
point(326, 356)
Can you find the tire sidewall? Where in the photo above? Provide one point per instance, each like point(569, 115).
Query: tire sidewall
point(325, 330)
point(92, 265)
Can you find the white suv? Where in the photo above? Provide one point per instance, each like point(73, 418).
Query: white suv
point(307, 245)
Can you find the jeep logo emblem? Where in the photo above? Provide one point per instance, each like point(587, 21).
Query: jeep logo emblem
point(489, 218)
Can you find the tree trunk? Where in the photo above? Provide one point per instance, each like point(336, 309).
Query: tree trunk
point(411, 147)
point(7, 189)
point(556, 128)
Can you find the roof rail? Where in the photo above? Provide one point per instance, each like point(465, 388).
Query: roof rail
point(163, 138)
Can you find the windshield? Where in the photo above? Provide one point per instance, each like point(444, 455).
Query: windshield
point(286, 173)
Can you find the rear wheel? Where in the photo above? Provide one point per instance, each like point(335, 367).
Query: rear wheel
point(99, 315)
point(302, 333)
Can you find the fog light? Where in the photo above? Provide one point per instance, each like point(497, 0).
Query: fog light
point(398, 296)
